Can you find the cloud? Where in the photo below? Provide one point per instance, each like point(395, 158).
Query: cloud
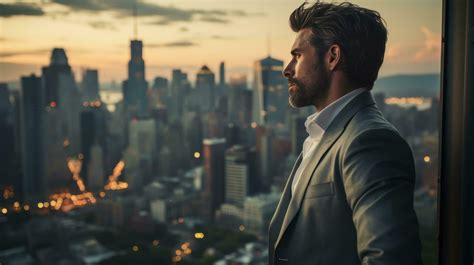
point(431, 50)
point(27, 52)
point(393, 52)
point(19, 9)
point(172, 44)
point(166, 14)
point(213, 19)
point(102, 25)
point(220, 37)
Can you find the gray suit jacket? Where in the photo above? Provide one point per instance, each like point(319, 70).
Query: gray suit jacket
point(354, 202)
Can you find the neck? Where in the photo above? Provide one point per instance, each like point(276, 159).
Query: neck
point(338, 87)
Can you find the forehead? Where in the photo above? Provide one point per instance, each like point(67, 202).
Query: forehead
point(303, 39)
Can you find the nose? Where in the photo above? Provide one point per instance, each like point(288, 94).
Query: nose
point(289, 70)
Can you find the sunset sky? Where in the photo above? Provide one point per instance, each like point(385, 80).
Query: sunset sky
point(189, 33)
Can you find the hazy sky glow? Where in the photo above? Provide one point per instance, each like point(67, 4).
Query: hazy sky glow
point(190, 33)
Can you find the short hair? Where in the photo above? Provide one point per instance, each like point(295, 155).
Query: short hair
point(360, 33)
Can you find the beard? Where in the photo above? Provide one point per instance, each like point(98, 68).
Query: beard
point(315, 90)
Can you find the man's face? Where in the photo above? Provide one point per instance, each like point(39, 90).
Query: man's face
point(308, 80)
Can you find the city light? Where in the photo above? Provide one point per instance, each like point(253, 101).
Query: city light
point(113, 184)
point(53, 203)
point(199, 235)
point(155, 242)
point(241, 227)
point(135, 248)
point(46, 204)
point(181, 220)
point(16, 204)
point(52, 104)
point(254, 125)
point(4, 210)
point(40, 205)
point(102, 194)
point(26, 207)
point(178, 252)
point(427, 159)
point(197, 155)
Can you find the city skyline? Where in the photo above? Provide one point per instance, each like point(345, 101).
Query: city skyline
point(187, 35)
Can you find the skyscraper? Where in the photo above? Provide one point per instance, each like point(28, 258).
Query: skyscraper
point(32, 134)
point(63, 98)
point(179, 89)
point(51, 74)
point(214, 174)
point(270, 93)
point(205, 86)
point(135, 87)
point(239, 174)
point(222, 75)
point(90, 85)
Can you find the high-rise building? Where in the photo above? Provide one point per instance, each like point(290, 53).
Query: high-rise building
point(63, 97)
point(222, 75)
point(32, 134)
point(270, 93)
point(9, 141)
point(179, 90)
point(159, 93)
point(135, 87)
point(51, 74)
point(240, 101)
point(93, 133)
point(142, 150)
point(205, 86)
point(214, 174)
point(239, 174)
point(90, 85)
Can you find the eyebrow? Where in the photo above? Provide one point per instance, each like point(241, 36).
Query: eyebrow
point(295, 50)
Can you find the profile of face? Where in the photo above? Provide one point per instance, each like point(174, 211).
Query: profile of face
point(308, 79)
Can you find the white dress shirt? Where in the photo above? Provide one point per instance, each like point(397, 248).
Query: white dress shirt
point(316, 124)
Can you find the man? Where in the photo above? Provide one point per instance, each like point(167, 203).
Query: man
point(349, 197)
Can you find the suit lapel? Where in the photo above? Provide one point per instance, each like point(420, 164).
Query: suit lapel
point(336, 128)
point(282, 207)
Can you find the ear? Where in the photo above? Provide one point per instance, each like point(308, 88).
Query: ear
point(333, 57)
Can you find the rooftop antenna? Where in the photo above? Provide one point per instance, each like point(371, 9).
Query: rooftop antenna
point(135, 26)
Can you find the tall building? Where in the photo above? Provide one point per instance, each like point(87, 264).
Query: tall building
point(141, 150)
point(32, 135)
point(159, 93)
point(51, 74)
point(179, 90)
point(239, 174)
point(214, 174)
point(270, 92)
point(205, 86)
point(93, 133)
point(222, 75)
point(63, 97)
point(135, 87)
point(9, 142)
point(90, 85)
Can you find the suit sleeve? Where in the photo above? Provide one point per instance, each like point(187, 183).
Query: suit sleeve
point(379, 178)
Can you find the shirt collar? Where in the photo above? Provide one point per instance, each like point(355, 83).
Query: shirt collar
point(317, 123)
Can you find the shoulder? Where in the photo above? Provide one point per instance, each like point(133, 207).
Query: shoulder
point(370, 126)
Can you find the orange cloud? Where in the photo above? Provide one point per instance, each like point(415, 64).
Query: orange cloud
point(431, 50)
point(392, 52)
